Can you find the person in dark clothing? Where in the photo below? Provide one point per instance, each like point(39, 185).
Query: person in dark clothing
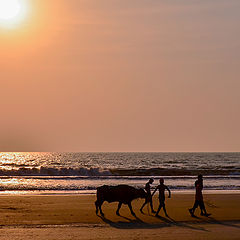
point(199, 198)
point(149, 196)
point(161, 188)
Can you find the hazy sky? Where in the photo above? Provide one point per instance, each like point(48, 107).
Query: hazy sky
point(122, 75)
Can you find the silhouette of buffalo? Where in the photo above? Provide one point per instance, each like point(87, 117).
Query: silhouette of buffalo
point(123, 194)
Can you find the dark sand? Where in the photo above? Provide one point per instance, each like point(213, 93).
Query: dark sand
point(73, 217)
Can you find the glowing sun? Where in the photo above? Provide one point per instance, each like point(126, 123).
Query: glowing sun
point(12, 12)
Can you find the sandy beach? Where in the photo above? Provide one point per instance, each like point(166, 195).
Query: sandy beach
point(73, 217)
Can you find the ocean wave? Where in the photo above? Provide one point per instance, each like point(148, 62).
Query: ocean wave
point(48, 171)
point(98, 172)
point(122, 178)
point(84, 188)
point(46, 188)
point(173, 171)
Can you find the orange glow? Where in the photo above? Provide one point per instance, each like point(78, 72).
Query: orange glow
point(26, 38)
point(131, 76)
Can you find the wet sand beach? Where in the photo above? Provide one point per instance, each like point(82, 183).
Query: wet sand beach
point(73, 217)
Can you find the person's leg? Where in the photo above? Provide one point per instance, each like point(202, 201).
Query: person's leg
point(141, 209)
point(192, 210)
point(151, 205)
point(203, 209)
point(160, 206)
point(146, 201)
point(164, 209)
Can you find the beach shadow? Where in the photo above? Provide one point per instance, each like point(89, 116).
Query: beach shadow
point(194, 216)
point(171, 222)
point(140, 224)
point(229, 223)
point(131, 224)
point(136, 220)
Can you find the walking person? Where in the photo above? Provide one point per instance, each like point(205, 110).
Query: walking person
point(149, 196)
point(199, 198)
point(161, 188)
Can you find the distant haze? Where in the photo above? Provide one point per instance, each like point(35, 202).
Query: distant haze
point(122, 75)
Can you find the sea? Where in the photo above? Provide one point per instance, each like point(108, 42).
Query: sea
point(81, 173)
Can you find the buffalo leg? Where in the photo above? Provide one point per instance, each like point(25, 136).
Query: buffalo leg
point(99, 206)
point(130, 207)
point(96, 204)
point(119, 206)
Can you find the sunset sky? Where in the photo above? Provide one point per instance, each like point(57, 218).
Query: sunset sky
point(121, 75)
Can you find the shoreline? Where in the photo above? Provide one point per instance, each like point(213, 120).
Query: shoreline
point(93, 192)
